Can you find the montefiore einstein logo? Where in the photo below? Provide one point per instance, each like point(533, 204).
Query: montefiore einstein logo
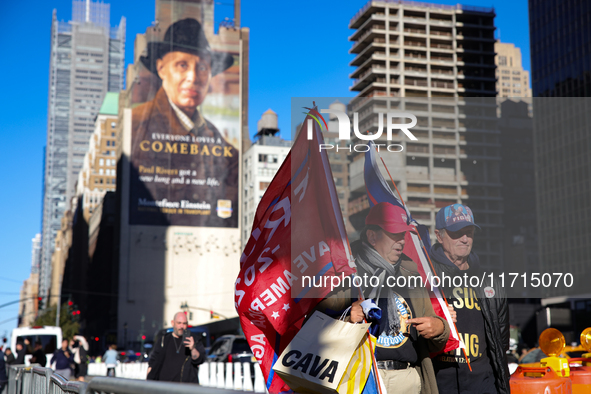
point(390, 125)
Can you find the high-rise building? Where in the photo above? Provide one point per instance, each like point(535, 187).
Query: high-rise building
point(28, 304)
point(512, 79)
point(559, 44)
point(28, 301)
point(436, 62)
point(35, 254)
point(98, 175)
point(86, 61)
point(259, 165)
point(561, 83)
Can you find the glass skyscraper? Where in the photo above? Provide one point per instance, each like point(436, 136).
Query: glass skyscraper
point(560, 35)
point(86, 60)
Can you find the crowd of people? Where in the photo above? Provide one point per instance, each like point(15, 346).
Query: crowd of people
point(70, 360)
point(410, 336)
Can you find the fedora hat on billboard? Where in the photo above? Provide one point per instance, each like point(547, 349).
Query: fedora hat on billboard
point(186, 35)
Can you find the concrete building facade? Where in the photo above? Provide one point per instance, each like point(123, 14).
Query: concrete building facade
point(99, 171)
point(86, 61)
point(30, 289)
point(512, 79)
point(164, 267)
point(29, 303)
point(259, 165)
point(436, 62)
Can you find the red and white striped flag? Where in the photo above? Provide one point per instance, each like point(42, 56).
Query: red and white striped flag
point(379, 191)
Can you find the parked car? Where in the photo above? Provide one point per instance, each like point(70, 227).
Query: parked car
point(230, 348)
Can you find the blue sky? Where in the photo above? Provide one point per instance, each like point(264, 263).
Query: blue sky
point(297, 49)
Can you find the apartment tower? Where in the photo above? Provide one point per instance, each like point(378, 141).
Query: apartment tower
point(86, 61)
point(436, 62)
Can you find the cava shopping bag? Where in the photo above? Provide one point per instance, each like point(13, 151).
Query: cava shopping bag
point(319, 355)
point(359, 368)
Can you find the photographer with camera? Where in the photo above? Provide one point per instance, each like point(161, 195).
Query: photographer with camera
point(177, 354)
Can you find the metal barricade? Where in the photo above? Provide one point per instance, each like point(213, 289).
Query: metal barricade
point(59, 385)
point(38, 380)
point(131, 386)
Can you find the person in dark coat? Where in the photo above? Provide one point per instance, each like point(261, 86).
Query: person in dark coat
point(63, 360)
point(176, 355)
point(482, 312)
point(20, 353)
point(3, 376)
point(9, 356)
point(38, 355)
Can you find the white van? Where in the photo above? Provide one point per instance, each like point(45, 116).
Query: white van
point(50, 338)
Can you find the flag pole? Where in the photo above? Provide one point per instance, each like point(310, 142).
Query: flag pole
point(345, 242)
point(426, 254)
point(374, 363)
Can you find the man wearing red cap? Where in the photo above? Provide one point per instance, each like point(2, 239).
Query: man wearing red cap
point(408, 329)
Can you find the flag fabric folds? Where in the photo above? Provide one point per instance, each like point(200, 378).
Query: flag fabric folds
point(297, 241)
point(379, 191)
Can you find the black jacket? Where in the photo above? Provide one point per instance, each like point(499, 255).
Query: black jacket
point(189, 375)
point(3, 377)
point(20, 357)
point(495, 312)
point(10, 359)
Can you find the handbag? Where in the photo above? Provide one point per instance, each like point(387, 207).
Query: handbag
point(317, 358)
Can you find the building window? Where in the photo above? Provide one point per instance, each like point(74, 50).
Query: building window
point(502, 60)
point(101, 162)
point(262, 158)
point(113, 124)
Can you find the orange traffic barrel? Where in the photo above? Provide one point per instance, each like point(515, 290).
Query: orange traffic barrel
point(528, 380)
point(580, 375)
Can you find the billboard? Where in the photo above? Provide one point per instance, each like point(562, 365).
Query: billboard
point(186, 127)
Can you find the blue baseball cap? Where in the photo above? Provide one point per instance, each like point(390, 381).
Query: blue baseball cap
point(454, 217)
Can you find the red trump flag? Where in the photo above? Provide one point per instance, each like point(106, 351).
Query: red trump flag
point(297, 244)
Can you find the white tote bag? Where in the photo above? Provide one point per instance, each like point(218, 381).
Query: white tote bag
point(318, 356)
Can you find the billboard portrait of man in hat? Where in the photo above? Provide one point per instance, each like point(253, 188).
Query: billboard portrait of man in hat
point(184, 172)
